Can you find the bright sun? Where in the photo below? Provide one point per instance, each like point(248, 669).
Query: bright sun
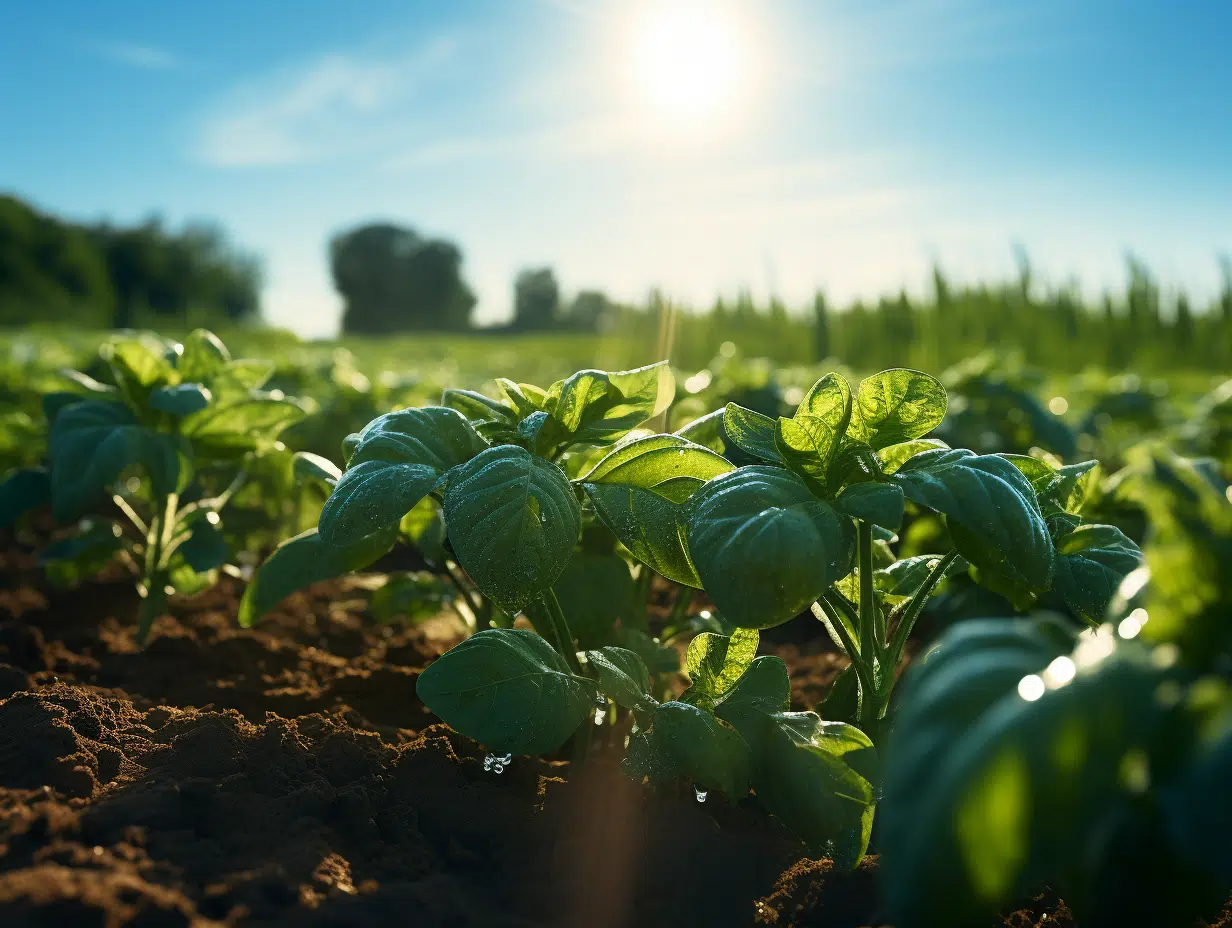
point(690, 60)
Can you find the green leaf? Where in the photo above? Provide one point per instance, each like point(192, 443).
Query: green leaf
point(842, 700)
point(659, 658)
point(138, 363)
point(239, 377)
point(667, 465)
point(513, 521)
point(708, 750)
point(95, 544)
point(22, 491)
point(206, 548)
point(706, 431)
point(181, 399)
point(892, 457)
point(599, 407)
point(1092, 560)
point(203, 356)
point(396, 461)
point(903, 578)
point(715, 662)
point(477, 407)
point(877, 503)
point(807, 445)
point(896, 406)
point(243, 423)
point(650, 756)
point(1058, 489)
point(313, 467)
point(623, 677)
point(596, 593)
point(991, 500)
point(92, 442)
point(507, 688)
point(651, 527)
point(762, 690)
point(995, 789)
point(424, 526)
point(751, 432)
point(301, 561)
point(1199, 803)
point(829, 399)
point(765, 547)
point(522, 397)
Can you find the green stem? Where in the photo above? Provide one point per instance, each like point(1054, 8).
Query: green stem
point(869, 643)
point(465, 593)
point(913, 609)
point(128, 510)
point(841, 636)
point(560, 627)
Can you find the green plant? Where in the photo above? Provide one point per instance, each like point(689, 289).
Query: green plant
point(1099, 763)
point(145, 464)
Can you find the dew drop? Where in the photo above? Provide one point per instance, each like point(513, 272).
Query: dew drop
point(496, 763)
point(700, 794)
point(600, 715)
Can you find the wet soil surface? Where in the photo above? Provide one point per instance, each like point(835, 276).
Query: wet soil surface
point(287, 775)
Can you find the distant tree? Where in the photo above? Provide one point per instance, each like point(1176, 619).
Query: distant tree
point(1225, 293)
point(589, 311)
point(49, 270)
point(1183, 325)
point(536, 299)
point(394, 280)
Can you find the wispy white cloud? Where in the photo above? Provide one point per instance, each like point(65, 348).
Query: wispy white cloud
point(336, 105)
point(133, 55)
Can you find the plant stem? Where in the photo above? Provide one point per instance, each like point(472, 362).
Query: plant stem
point(869, 643)
point(560, 628)
point(914, 607)
point(128, 510)
point(842, 637)
point(465, 593)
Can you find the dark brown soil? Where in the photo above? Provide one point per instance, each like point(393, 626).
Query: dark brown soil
point(287, 775)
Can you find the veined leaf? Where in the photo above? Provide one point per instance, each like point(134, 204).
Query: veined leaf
point(765, 547)
point(309, 466)
point(507, 688)
point(829, 399)
point(667, 465)
point(242, 423)
point(203, 355)
point(706, 431)
point(807, 445)
point(751, 432)
point(991, 500)
point(513, 520)
point(896, 406)
point(715, 662)
point(1058, 488)
point(892, 457)
point(477, 407)
point(1092, 560)
point(707, 750)
point(653, 528)
point(623, 677)
point(181, 399)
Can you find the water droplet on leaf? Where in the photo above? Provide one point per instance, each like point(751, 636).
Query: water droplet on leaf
point(700, 794)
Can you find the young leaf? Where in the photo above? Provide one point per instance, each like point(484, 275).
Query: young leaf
point(92, 442)
point(715, 662)
point(203, 356)
point(304, 560)
point(896, 406)
point(1058, 489)
point(751, 432)
point(623, 678)
point(1092, 560)
point(806, 444)
point(708, 751)
point(706, 431)
point(513, 520)
point(903, 578)
point(829, 399)
point(507, 688)
point(242, 423)
point(765, 547)
point(477, 407)
point(667, 465)
point(138, 364)
point(22, 491)
point(181, 399)
point(763, 690)
point(652, 527)
point(877, 503)
point(312, 467)
point(599, 407)
point(893, 457)
point(991, 508)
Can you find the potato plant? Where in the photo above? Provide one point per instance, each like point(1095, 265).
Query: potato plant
point(144, 465)
point(770, 516)
point(1099, 764)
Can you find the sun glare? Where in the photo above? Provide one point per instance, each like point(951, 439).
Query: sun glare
point(690, 60)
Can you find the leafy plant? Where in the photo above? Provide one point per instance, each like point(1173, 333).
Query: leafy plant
point(145, 464)
point(1097, 763)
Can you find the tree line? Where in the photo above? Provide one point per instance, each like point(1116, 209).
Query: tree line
point(111, 276)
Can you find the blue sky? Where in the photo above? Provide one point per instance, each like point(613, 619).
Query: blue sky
point(858, 141)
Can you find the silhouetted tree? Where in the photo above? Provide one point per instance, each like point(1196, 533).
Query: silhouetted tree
point(821, 327)
point(393, 280)
point(589, 311)
point(536, 299)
